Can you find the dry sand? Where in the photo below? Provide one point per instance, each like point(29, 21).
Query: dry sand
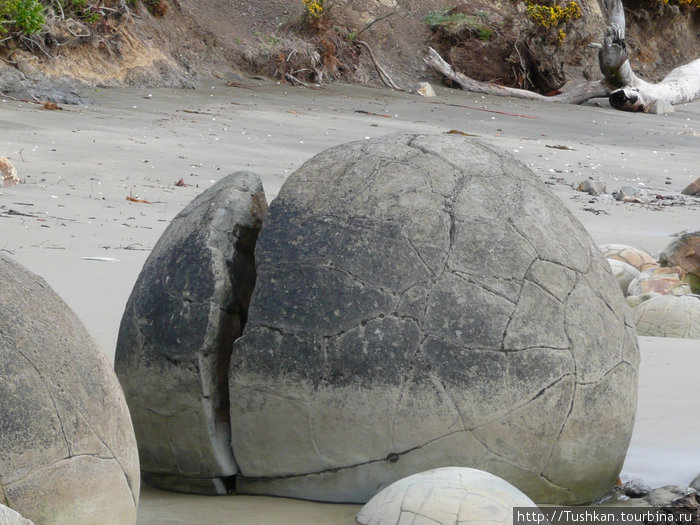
point(79, 165)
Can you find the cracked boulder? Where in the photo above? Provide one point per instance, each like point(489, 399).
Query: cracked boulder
point(422, 302)
point(188, 305)
point(445, 496)
point(67, 448)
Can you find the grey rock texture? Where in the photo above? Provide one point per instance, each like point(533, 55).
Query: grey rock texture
point(10, 517)
point(67, 449)
point(425, 301)
point(445, 496)
point(187, 307)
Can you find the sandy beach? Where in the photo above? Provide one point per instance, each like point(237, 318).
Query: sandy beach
point(71, 220)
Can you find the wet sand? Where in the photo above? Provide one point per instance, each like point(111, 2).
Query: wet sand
point(79, 165)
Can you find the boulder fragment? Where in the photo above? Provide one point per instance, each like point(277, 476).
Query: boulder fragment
point(189, 304)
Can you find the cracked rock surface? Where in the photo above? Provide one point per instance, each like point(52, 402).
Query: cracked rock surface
point(67, 449)
point(445, 496)
point(425, 301)
point(187, 307)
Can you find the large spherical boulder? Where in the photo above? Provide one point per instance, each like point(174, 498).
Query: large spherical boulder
point(67, 448)
point(188, 305)
point(669, 316)
point(425, 301)
point(445, 496)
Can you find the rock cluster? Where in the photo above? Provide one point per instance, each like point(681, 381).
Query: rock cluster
point(419, 302)
point(67, 447)
point(663, 293)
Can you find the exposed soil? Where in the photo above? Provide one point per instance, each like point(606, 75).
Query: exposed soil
point(227, 39)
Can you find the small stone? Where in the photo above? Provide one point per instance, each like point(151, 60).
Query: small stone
point(8, 172)
point(592, 187)
point(425, 89)
point(693, 188)
point(626, 191)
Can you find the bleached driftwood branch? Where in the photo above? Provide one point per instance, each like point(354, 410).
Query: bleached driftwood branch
point(625, 90)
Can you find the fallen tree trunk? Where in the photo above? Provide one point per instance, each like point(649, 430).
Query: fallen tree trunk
point(624, 89)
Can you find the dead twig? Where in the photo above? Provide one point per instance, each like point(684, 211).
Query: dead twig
point(375, 21)
point(383, 75)
point(486, 110)
point(295, 81)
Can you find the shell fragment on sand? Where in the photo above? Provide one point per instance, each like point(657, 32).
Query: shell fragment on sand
point(8, 173)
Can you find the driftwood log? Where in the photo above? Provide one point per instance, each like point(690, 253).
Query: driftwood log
point(624, 89)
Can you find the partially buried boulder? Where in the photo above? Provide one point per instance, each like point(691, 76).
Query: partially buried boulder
point(446, 496)
point(669, 316)
point(67, 448)
point(187, 307)
point(425, 301)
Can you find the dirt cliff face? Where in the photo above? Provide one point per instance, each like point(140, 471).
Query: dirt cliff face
point(196, 40)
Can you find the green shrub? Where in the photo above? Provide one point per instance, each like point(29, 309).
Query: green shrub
point(455, 23)
point(23, 16)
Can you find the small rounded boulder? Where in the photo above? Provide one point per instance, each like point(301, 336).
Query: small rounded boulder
point(446, 496)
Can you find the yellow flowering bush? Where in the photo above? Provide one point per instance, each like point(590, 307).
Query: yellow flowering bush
point(689, 3)
point(549, 16)
point(313, 9)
